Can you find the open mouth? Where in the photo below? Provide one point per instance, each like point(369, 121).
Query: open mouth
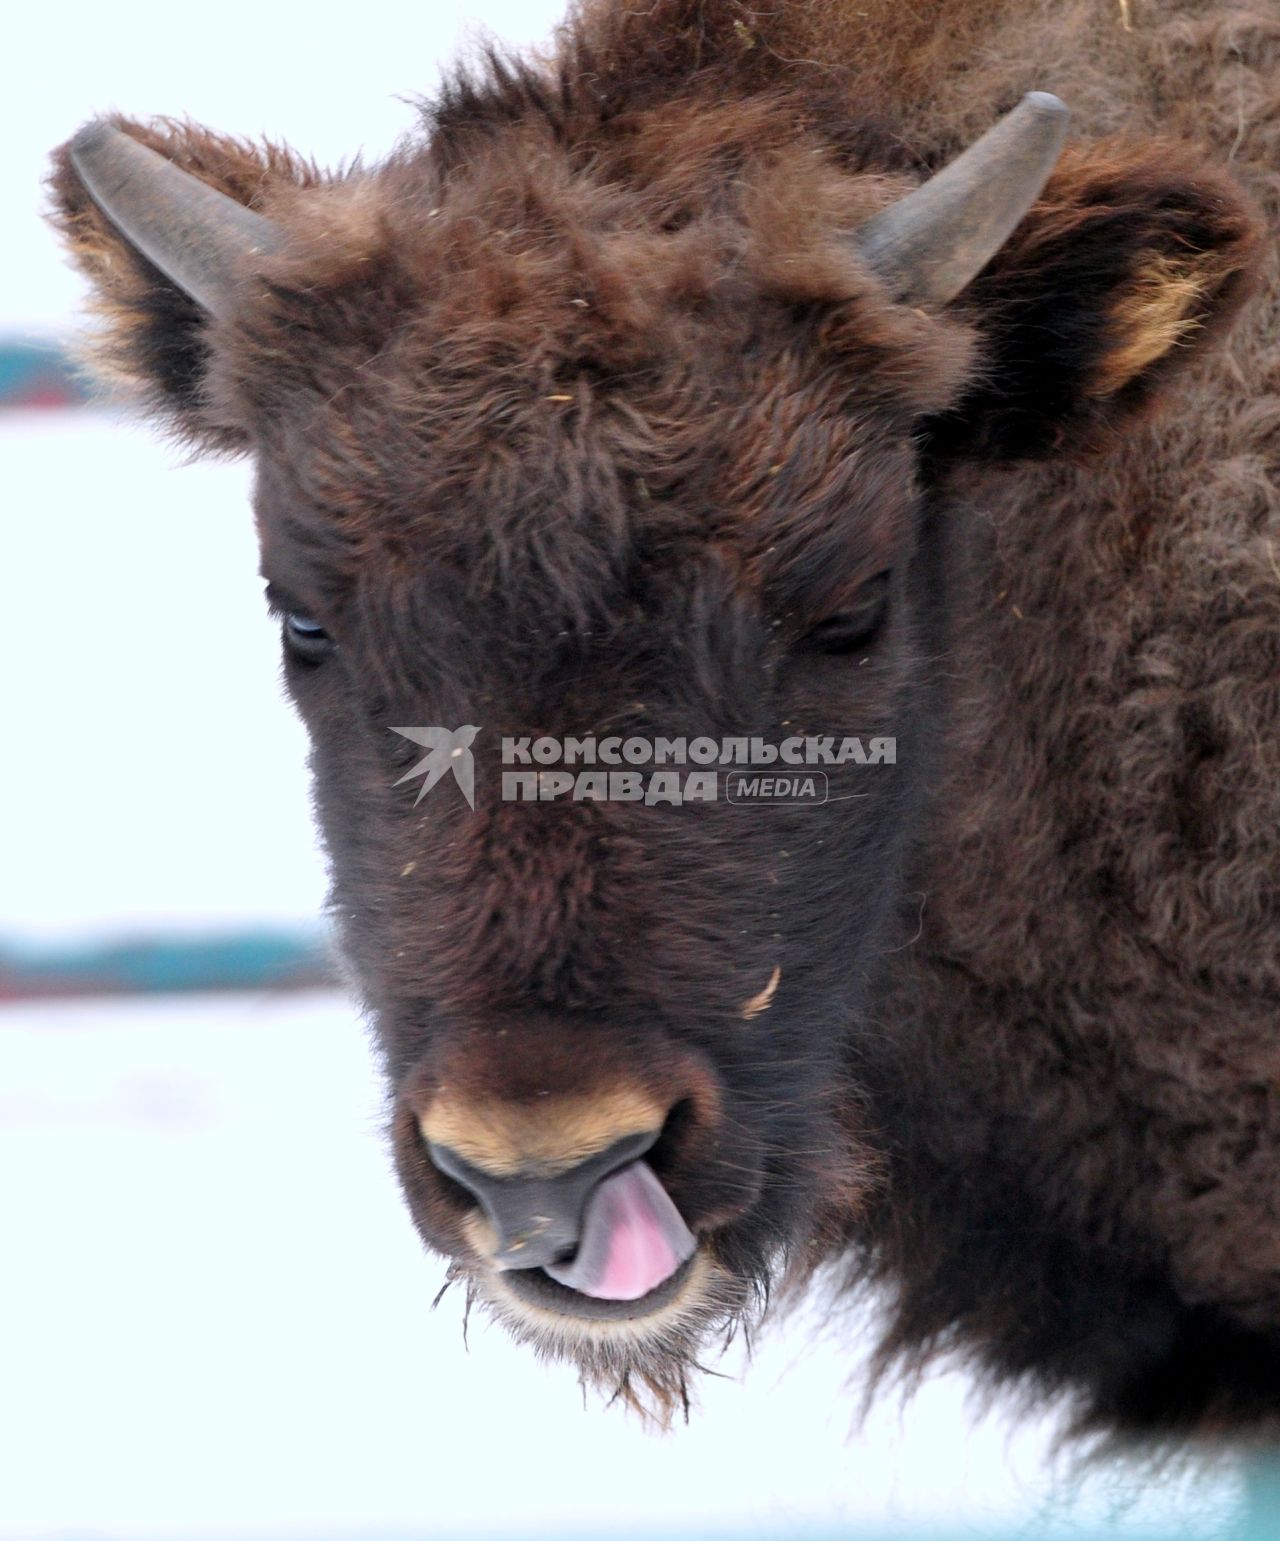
point(537, 1288)
point(632, 1255)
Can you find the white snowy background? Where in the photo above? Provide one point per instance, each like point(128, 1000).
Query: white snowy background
point(214, 1315)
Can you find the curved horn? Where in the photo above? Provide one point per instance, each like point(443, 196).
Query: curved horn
point(931, 244)
point(198, 237)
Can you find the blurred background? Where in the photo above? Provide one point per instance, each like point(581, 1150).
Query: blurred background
point(215, 1319)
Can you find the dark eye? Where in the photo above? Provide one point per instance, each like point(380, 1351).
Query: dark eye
point(857, 625)
point(306, 638)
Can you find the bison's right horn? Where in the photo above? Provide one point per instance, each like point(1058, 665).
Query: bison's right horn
point(198, 237)
point(931, 244)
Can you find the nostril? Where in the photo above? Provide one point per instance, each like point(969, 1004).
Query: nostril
point(664, 1153)
point(458, 1194)
point(457, 1176)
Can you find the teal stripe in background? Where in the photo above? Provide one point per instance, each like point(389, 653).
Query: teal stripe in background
point(38, 374)
point(1262, 1518)
point(245, 960)
point(1265, 1529)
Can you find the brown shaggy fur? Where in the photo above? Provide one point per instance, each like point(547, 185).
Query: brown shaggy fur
point(594, 356)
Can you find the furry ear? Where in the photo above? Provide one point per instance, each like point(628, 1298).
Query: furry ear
point(1130, 261)
point(154, 340)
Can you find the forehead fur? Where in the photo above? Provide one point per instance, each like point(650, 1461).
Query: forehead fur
point(530, 343)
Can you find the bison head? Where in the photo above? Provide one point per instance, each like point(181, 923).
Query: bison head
point(627, 413)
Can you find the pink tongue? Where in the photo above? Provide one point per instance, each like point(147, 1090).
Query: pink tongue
point(632, 1238)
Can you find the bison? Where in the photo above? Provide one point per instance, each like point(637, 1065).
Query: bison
point(773, 378)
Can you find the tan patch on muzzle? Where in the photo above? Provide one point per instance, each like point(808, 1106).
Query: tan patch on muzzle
point(538, 1139)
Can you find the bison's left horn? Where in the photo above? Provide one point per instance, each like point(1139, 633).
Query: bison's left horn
point(198, 237)
point(931, 244)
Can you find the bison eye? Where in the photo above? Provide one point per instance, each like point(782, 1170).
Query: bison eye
point(306, 639)
point(856, 626)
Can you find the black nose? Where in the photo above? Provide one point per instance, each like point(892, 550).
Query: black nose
point(538, 1219)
